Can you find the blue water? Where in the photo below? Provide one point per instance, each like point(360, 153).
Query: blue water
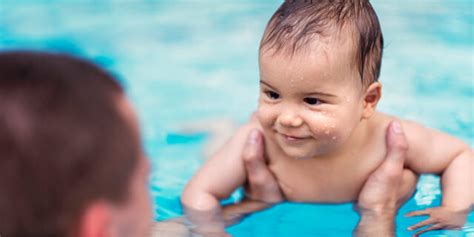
point(186, 61)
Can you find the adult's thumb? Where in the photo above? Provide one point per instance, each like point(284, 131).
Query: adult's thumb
point(396, 142)
point(253, 152)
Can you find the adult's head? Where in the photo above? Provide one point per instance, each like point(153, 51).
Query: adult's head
point(71, 161)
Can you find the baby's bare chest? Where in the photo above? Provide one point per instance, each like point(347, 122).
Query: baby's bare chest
point(313, 181)
point(326, 181)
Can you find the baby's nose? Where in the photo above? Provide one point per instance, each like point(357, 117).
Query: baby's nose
point(290, 119)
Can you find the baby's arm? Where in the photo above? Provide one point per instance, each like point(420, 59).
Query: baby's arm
point(216, 180)
point(431, 151)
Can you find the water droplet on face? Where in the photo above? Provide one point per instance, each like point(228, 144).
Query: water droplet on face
point(334, 138)
point(327, 132)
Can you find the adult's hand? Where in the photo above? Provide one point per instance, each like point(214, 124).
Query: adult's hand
point(262, 189)
point(261, 184)
point(386, 188)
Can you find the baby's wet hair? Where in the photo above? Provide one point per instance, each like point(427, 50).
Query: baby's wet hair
point(297, 23)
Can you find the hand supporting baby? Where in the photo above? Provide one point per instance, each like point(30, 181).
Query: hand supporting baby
point(262, 190)
point(386, 188)
point(378, 200)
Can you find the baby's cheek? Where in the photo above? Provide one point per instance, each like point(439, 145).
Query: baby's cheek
point(331, 134)
point(339, 133)
point(265, 116)
point(327, 128)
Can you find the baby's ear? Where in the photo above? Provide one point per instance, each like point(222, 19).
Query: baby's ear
point(371, 98)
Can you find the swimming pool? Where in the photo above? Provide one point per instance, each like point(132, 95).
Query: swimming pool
point(185, 61)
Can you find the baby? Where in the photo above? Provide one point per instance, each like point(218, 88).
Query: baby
point(319, 67)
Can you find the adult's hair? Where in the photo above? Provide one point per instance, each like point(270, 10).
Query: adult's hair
point(63, 143)
point(297, 23)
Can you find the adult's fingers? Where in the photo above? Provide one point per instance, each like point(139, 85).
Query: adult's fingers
point(396, 142)
point(253, 156)
point(382, 186)
point(262, 185)
point(391, 170)
point(407, 186)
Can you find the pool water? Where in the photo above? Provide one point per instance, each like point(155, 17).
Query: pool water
point(187, 61)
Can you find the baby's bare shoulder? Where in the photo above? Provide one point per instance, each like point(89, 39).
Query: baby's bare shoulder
point(427, 146)
point(378, 125)
point(413, 130)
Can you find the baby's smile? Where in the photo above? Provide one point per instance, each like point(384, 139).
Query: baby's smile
point(293, 139)
point(291, 136)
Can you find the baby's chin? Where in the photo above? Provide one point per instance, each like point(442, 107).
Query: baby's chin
point(310, 151)
point(298, 153)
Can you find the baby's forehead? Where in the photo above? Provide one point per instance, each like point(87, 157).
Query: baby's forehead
point(298, 36)
point(327, 59)
point(337, 48)
point(320, 65)
point(335, 43)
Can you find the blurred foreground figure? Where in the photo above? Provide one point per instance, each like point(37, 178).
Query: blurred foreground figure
point(71, 161)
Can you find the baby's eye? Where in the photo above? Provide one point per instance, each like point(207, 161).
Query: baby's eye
point(272, 95)
point(312, 101)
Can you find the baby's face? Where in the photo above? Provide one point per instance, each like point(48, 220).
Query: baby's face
point(310, 103)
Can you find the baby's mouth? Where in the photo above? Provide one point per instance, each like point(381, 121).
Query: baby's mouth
point(293, 138)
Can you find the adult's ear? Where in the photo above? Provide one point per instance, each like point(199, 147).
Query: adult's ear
point(95, 220)
point(371, 98)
